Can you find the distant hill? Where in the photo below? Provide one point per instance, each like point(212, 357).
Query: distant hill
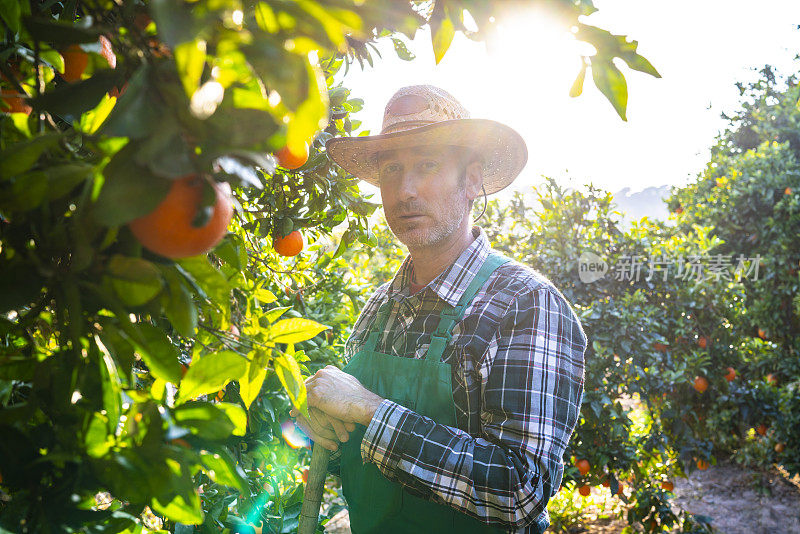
point(648, 202)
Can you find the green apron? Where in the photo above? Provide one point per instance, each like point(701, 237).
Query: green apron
point(376, 504)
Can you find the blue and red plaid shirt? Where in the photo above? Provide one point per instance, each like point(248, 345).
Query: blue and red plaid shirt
point(517, 364)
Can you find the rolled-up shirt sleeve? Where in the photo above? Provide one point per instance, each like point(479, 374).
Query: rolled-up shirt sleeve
point(532, 385)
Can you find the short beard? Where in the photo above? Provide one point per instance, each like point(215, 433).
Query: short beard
point(436, 236)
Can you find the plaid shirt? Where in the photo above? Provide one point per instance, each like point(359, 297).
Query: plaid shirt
point(517, 377)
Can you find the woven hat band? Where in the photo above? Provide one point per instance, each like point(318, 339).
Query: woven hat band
point(405, 125)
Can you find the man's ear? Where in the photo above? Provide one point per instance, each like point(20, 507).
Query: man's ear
point(474, 183)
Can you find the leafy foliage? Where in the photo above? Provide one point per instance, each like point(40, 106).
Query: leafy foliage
point(140, 393)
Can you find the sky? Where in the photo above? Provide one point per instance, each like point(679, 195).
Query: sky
point(701, 48)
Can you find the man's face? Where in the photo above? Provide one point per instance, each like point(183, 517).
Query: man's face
point(424, 194)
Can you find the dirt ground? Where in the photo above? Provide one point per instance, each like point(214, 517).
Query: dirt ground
point(740, 501)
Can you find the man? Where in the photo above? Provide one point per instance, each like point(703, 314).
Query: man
point(465, 372)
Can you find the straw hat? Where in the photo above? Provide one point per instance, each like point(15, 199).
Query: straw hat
point(423, 115)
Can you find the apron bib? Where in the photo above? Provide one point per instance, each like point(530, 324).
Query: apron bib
point(376, 504)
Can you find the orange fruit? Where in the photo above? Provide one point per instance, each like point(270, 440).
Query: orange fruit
point(780, 447)
point(772, 379)
point(13, 102)
point(667, 485)
point(583, 466)
point(168, 229)
point(762, 334)
point(700, 383)
point(289, 245)
point(76, 60)
point(787, 191)
point(290, 160)
point(731, 374)
point(679, 210)
point(761, 429)
point(585, 490)
point(75, 63)
point(305, 475)
point(702, 342)
point(702, 465)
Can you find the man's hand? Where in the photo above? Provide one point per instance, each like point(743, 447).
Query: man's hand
point(341, 396)
point(323, 429)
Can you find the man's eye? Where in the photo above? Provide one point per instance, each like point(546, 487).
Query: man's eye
point(429, 166)
point(390, 169)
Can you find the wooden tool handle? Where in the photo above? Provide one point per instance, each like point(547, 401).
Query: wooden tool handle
point(312, 496)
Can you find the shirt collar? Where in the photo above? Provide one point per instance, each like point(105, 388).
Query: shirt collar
point(454, 280)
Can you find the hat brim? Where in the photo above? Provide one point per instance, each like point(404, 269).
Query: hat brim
point(502, 149)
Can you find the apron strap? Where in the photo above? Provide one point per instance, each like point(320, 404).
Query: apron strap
point(379, 325)
point(449, 317)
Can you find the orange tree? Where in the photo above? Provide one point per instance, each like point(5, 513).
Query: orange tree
point(683, 303)
point(747, 196)
point(146, 390)
point(638, 423)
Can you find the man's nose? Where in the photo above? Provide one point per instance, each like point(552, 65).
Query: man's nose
point(407, 185)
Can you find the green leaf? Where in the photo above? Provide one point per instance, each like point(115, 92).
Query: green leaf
point(265, 296)
point(442, 31)
point(294, 330)
point(223, 469)
point(112, 387)
point(237, 416)
point(265, 18)
point(59, 32)
point(129, 190)
point(190, 57)
point(275, 313)
point(91, 121)
point(402, 50)
point(165, 152)
point(211, 373)
point(640, 63)
point(289, 374)
point(136, 281)
point(205, 420)
point(26, 193)
point(312, 115)
point(10, 12)
point(251, 382)
point(157, 351)
point(178, 304)
point(74, 98)
point(174, 21)
point(608, 78)
point(20, 157)
point(61, 179)
point(241, 128)
point(577, 85)
point(136, 112)
point(96, 438)
point(209, 279)
point(183, 508)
